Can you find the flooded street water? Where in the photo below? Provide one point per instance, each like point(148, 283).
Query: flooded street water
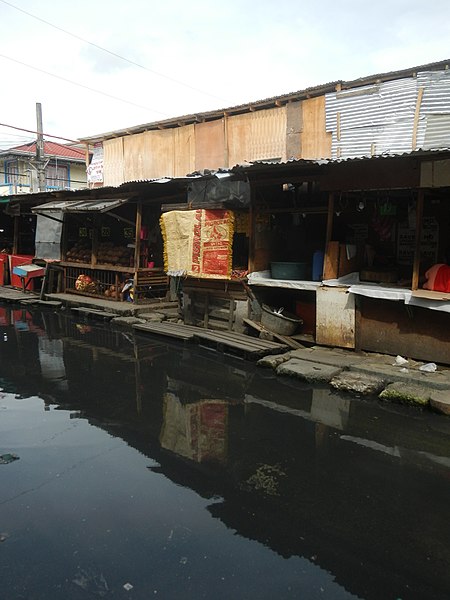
point(146, 469)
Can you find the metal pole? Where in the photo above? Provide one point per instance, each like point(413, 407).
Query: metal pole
point(40, 165)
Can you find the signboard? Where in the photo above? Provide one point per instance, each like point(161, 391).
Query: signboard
point(94, 171)
point(428, 245)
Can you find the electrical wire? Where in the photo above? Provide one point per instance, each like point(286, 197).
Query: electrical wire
point(57, 137)
point(131, 62)
point(86, 87)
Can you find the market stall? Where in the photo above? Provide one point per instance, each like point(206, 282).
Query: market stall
point(108, 248)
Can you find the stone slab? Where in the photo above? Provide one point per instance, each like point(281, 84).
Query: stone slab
point(272, 361)
point(127, 321)
point(333, 358)
point(358, 383)
point(439, 380)
point(406, 393)
point(440, 401)
point(308, 371)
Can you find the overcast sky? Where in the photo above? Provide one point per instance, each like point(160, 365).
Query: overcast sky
point(194, 55)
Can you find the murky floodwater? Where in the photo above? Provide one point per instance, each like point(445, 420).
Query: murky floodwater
point(186, 474)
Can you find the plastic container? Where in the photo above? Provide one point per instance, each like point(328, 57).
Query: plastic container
point(317, 265)
point(283, 324)
point(288, 270)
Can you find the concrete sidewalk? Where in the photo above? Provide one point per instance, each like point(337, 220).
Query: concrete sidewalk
point(366, 374)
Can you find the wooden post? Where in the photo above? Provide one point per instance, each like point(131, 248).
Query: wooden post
point(137, 248)
point(329, 234)
point(94, 242)
point(419, 215)
point(251, 234)
point(330, 217)
point(15, 248)
point(416, 118)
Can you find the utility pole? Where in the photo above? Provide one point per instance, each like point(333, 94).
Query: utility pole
point(40, 163)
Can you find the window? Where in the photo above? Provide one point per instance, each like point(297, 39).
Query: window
point(57, 176)
point(12, 172)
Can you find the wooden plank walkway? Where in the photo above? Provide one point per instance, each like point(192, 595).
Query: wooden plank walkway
point(224, 341)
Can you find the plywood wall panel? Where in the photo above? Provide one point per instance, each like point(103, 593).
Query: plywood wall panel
point(210, 145)
point(113, 171)
point(257, 135)
point(159, 154)
point(134, 153)
point(184, 146)
point(315, 141)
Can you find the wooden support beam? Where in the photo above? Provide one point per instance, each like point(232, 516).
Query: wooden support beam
point(419, 216)
point(137, 249)
point(330, 217)
point(15, 248)
point(416, 118)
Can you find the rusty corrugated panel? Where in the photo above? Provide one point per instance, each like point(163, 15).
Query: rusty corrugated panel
point(113, 169)
point(257, 135)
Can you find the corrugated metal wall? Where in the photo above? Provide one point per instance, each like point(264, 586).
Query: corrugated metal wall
point(377, 119)
point(434, 122)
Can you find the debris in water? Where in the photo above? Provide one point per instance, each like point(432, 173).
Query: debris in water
point(4, 536)
point(127, 587)
point(8, 458)
point(91, 582)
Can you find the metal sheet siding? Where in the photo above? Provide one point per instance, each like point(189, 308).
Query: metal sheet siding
point(374, 119)
point(434, 124)
point(379, 119)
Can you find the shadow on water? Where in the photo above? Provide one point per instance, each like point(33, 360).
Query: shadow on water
point(339, 497)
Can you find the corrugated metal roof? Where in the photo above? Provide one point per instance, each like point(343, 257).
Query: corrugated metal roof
point(270, 102)
point(83, 206)
point(50, 149)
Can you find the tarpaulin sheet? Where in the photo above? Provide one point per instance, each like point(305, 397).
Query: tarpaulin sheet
point(198, 243)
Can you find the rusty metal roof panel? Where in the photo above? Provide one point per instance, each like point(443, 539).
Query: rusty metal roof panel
point(272, 101)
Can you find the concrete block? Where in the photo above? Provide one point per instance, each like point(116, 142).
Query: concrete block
point(406, 393)
point(308, 371)
point(358, 383)
point(273, 360)
point(440, 402)
point(127, 321)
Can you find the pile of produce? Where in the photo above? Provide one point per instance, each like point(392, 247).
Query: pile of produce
point(111, 291)
point(84, 283)
point(81, 252)
point(108, 254)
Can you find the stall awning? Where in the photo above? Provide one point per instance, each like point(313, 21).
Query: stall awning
point(79, 206)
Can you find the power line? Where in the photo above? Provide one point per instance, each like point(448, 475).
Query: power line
point(131, 62)
point(86, 87)
point(3, 183)
point(57, 137)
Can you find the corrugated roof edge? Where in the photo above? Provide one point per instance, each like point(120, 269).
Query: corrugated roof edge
point(266, 103)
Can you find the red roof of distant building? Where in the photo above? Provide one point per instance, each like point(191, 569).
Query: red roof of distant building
point(52, 149)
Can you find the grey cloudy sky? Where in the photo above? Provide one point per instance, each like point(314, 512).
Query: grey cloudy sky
point(199, 55)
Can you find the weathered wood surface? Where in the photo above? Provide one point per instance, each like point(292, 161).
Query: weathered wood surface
point(287, 340)
point(221, 340)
